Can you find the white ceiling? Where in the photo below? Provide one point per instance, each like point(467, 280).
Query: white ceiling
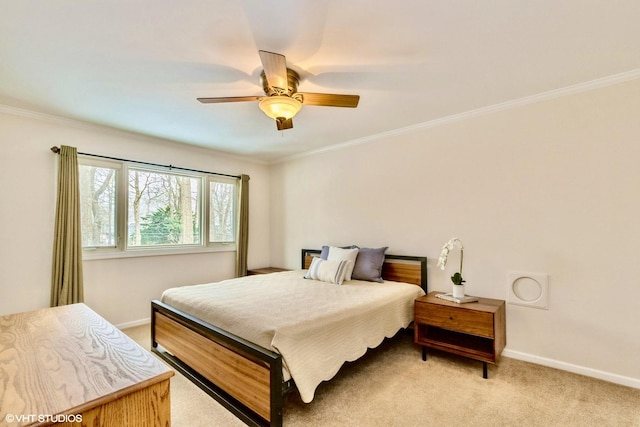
point(139, 65)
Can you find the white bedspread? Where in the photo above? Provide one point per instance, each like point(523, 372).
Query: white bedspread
point(315, 326)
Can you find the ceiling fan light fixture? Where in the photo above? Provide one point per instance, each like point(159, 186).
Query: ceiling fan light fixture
point(278, 106)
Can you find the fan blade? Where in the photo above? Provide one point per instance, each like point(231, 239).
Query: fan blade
point(275, 69)
point(229, 99)
point(330, 100)
point(284, 124)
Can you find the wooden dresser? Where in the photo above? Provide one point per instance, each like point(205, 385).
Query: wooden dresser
point(68, 366)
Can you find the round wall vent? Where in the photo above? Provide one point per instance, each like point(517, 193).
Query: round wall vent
point(528, 289)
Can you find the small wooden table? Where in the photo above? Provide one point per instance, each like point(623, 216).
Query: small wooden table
point(68, 366)
point(475, 329)
point(265, 270)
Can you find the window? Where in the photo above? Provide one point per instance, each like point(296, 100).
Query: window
point(98, 205)
point(130, 208)
point(222, 213)
point(163, 209)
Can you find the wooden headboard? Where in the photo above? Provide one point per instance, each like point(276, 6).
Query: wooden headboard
point(397, 268)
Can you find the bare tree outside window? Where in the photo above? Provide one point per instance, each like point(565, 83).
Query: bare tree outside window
point(222, 197)
point(97, 206)
point(151, 208)
point(164, 209)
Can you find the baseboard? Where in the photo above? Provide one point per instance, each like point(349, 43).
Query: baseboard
point(133, 323)
point(576, 369)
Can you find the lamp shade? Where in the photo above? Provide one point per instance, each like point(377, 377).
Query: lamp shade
point(280, 106)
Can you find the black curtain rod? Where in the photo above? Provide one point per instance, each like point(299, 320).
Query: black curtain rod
point(56, 150)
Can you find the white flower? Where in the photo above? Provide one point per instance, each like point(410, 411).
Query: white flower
point(442, 261)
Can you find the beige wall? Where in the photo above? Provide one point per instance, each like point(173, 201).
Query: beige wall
point(551, 187)
point(118, 289)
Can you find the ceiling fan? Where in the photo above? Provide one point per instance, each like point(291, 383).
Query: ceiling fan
point(282, 100)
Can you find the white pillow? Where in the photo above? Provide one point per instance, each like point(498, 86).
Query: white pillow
point(336, 253)
point(327, 271)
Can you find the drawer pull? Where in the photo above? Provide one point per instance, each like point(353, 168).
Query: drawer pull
point(450, 317)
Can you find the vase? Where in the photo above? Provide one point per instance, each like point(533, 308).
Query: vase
point(458, 291)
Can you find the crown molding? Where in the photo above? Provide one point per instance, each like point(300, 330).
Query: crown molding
point(490, 109)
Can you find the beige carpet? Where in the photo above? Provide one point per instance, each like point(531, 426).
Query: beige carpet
point(392, 386)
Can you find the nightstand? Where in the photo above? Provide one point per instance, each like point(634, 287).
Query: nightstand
point(264, 270)
point(476, 330)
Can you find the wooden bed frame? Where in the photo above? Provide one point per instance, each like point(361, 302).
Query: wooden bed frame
point(244, 377)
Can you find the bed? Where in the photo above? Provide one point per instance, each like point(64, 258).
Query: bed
point(250, 369)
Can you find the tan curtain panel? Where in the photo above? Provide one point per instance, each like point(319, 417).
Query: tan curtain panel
point(66, 274)
point(243, 227)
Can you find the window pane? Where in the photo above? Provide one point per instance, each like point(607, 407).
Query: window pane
point(164, 209)
point(98, 206)
point(222, 196)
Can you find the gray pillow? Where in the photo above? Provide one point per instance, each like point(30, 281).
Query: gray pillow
point(369, 264)
point(324, 253)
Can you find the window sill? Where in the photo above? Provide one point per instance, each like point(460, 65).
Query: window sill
point(99, 254)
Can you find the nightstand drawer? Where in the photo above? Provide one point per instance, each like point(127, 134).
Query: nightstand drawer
point(455, 319)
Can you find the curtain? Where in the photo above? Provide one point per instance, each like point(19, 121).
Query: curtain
point(243, 227)
point(66, 274)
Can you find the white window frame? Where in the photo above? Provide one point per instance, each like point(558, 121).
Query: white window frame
point(122, 249)
point(200, 177)
point(223, 180)
point(118, 167)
